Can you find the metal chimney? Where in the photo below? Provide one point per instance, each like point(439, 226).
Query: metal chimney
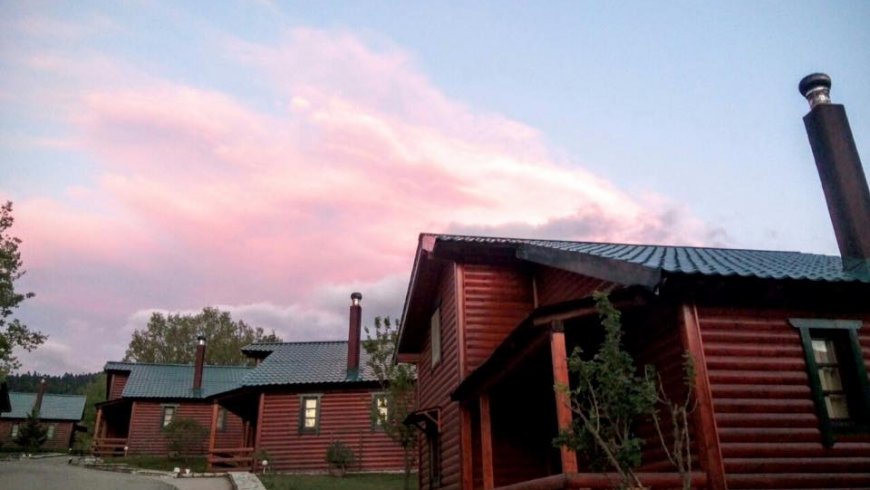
point(199, 363)
point(353, 336)
point(840, 170)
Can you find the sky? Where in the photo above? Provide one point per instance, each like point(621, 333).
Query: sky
point(269, 158)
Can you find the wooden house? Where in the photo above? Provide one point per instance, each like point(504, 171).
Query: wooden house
point(142, 399)
point(780, 343)
point(303, 396)
point(58, 414)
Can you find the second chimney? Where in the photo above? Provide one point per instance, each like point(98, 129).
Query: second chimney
point(40, 394)
point(353, 336)
point(840, 170)
point(199, 363)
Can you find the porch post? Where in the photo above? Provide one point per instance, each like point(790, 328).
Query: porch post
point(213, 435)
point(486, 443)
point(708, 440)
point(97, 428)
point(560, 381)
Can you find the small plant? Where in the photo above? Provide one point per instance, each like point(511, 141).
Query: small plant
point(340, 458)
point(31, 434)
point(185, 437)
point(610, 398)
point(679, 449)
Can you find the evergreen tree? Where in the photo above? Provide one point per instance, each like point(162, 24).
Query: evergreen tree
point(31, 434)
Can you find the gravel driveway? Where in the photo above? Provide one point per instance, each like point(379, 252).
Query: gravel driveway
point(46, 473)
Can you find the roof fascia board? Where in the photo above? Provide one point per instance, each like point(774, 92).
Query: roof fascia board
point(425, 247)
point(617, 271)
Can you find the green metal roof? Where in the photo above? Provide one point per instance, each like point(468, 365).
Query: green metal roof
point(54, 407)
point(176, 380)
point(651, 261)
point(293, 363)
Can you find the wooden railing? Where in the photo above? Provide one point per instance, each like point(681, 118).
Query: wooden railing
point(238, 458)
point(606, 481)
point(109, 446)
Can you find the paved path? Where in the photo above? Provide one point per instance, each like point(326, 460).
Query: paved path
point(49, 473)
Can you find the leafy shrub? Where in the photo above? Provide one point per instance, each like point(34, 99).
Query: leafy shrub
point(339, 456)
point(185, 437)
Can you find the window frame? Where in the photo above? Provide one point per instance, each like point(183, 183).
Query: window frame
point(221, 421)
point(435, 346)
point(163, 408)
point(375, 408)
point(317, 409)
point(50, 431)
point(852, 370)
point(13, 432)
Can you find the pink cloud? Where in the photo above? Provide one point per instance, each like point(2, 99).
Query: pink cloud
point(201, 198)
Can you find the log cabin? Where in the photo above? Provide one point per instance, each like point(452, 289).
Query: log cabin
point(780, 343)
point(60, 415)
point(303, 396)
point(142, 399)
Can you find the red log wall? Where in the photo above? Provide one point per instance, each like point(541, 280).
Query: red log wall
point(345, 415)
point(146, 431)
point(117, 382)
point(60, 442)
point(763, 405)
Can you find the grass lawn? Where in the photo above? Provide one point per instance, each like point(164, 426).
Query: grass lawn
point(196, 464)
point(374, 481)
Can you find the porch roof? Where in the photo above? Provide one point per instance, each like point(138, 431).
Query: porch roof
point(176, 380)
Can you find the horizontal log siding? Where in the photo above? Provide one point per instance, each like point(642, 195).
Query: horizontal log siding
point(497, 299)
point(117, 382)
point(436, 384)
point(764, 409)
point(662, 349)
point(146, 431)
point(555, 286)
point(344, 416)
point(60, 442)
point(232, 435)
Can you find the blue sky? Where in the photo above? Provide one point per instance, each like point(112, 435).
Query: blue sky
point(271, 157)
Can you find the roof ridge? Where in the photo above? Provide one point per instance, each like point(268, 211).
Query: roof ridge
point(606, 243)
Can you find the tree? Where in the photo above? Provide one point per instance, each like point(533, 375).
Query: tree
point(397, 381)
point(13, 333)
point(31, 434)
point(171, 338)
point(609, 399)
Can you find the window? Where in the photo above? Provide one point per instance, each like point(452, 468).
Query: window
point(309, 414)
point(435, 334)
point(168, 414)
point(14, 430)
point(49, 431)
point(380, 410)
point(837, 375)
point(221, 422)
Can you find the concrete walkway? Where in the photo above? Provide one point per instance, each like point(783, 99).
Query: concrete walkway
point(54, 472)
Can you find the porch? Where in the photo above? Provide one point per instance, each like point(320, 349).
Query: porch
point(514, 412)
point(224, 455)
point(111, 428)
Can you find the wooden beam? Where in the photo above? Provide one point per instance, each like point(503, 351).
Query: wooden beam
point(97, 427)
point(486, 443)
point(564, 417)
point(259, 422)
point(466, 448)
point(213, 435)
point(408, 357)
point(705, 421)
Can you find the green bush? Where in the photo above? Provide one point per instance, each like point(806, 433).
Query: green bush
point(185, 437)
point(339, 456)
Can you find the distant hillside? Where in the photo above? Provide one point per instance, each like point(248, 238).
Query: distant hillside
point(65, 384)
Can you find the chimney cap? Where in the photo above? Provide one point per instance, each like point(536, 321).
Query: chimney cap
point(200, 339)
point(816, 87)
point(356, 297)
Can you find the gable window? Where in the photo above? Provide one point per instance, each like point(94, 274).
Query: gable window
point(380, 410)
point(14, 430)
point(837, 375)
point(168, 415)
point(49, 432)
point(435, 335)
point(309, 414)
point(221, 422)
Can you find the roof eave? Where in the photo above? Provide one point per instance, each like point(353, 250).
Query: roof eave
point(616, 271)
